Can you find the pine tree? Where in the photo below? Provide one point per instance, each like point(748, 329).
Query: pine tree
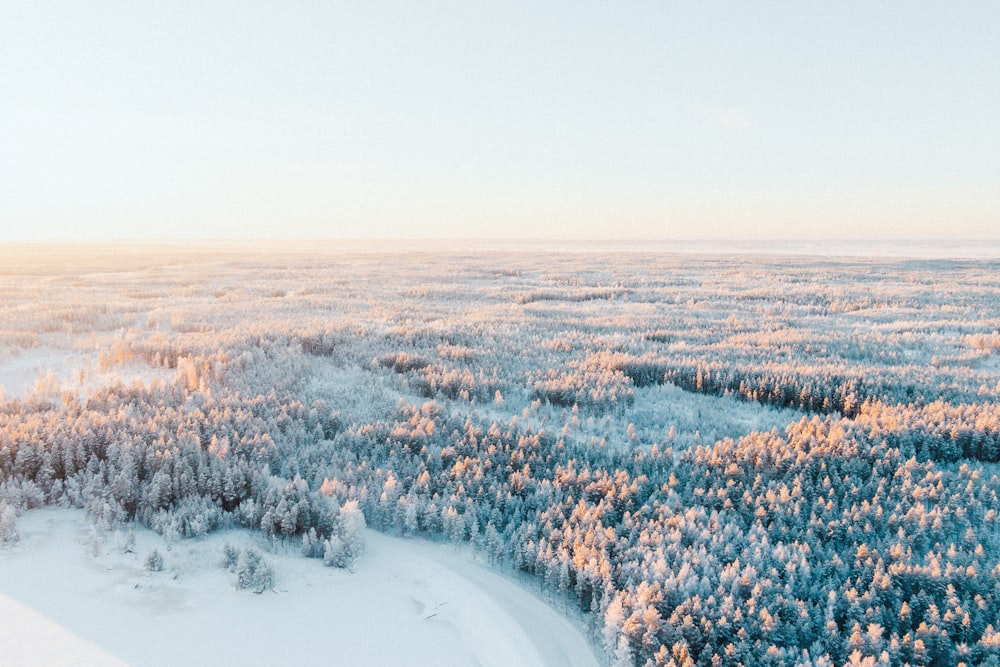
point(8, 525)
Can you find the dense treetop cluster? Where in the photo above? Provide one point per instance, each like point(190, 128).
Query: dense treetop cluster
point(717, 460)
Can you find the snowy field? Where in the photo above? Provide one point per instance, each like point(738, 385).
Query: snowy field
point(51, 370)
point(407, 602)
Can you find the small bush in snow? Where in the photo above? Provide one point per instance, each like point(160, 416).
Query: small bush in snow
point(230, 557)
point(154, 561)
point(253, 572)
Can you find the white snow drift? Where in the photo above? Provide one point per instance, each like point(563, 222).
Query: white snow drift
point(408, 602)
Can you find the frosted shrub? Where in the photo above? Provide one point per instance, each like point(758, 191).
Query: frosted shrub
point(154, 561)
point(230, 557)
point(8, 526)
point(336, 553)
point(342, 549)
point(253, 572)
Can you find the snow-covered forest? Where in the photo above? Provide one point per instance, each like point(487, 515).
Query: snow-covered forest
point(712, 460)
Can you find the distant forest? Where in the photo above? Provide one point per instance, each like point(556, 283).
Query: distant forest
point(711, 460)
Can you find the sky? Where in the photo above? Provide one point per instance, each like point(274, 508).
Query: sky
point(526, 120)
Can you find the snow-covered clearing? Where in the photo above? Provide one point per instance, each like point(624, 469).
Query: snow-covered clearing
point(51, 370)
point(408, 602)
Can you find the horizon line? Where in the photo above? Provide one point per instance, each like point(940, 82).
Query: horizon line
point(494, 239)
point(889, 248)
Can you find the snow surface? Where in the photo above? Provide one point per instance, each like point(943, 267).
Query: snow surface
point(54, 369)
point(407, 602)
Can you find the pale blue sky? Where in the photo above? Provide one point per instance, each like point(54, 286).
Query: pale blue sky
point(462, 119)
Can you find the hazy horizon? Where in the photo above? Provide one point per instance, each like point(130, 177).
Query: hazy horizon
point(846, 248)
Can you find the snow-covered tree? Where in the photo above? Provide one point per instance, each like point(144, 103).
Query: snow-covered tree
point(8, 525)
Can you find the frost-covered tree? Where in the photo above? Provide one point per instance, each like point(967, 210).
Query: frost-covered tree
point(153, 561)
point(253, 572)
point(353, 524)
point(8, 525)
point(229, 556)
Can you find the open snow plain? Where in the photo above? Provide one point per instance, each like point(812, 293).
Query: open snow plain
point(406, 602)
point(702, 459)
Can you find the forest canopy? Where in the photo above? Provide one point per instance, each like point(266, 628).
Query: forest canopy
point(717, 460)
